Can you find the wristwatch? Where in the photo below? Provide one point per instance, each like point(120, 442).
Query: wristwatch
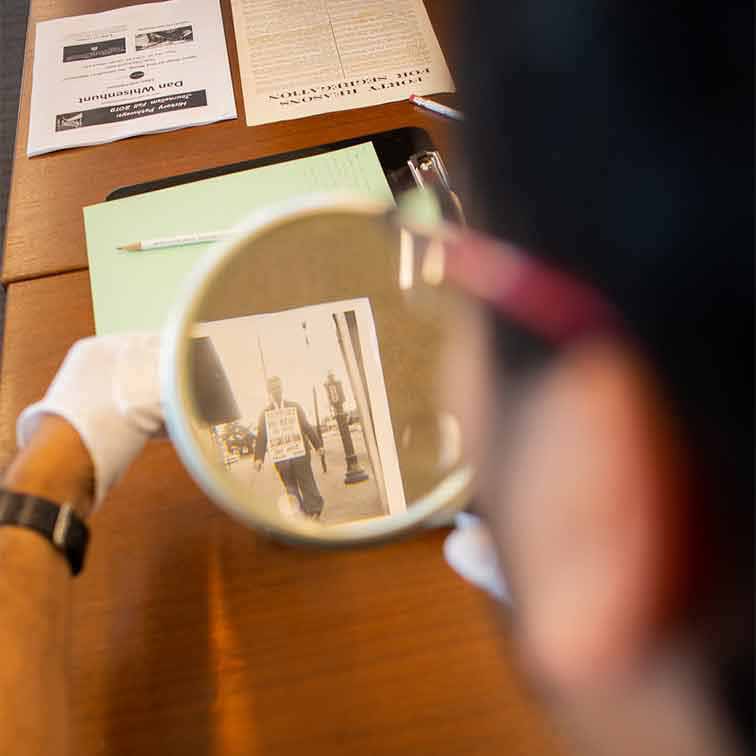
point(61, 526)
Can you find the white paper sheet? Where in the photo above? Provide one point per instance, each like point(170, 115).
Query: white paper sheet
point(135, 70)
point(303, 57)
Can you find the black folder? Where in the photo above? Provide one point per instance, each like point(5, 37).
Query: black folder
point(397, 151)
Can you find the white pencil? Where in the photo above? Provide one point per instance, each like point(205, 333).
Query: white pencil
point(437, 107)
point(179, 240)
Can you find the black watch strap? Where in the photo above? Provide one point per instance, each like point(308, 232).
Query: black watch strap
point(59, 524)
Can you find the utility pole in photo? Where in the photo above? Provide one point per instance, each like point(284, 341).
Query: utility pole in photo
point(323, 462)
point(262, 363)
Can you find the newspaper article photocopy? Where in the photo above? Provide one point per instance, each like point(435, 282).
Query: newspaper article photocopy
point(303, 57)
point(135, 70)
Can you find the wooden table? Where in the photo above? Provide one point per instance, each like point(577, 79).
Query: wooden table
point(45, 229)
point(193, 635)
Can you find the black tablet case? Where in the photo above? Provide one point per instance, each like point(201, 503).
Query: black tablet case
point(394, 148)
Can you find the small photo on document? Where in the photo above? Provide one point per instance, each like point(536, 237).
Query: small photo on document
point(163, 37)
point(67, 121)
point(297, 410)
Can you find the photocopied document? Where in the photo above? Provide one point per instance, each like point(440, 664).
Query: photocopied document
point(137, 290)
point(315, 56)
point(135, 70)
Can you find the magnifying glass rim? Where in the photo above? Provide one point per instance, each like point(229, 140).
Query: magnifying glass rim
point(449, 496)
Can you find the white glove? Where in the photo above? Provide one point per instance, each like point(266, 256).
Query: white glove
point(108, 389)
point(470, 551)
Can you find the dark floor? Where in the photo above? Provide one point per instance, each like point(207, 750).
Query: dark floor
point(13, 15)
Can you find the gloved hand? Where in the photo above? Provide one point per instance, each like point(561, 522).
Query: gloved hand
point(108, 389)
point(470, 551)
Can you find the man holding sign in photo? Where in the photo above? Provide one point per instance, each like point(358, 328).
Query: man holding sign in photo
point(283, 432)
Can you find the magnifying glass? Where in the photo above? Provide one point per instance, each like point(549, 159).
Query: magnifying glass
point(304, 379)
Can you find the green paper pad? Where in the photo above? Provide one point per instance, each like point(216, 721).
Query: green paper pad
point(134, 291)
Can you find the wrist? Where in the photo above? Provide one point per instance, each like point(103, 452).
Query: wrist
point(54, 465)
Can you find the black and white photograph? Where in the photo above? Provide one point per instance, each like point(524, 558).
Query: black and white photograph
point(162, 37)
point(67, 121)
point(94, 50)
point(299, 412)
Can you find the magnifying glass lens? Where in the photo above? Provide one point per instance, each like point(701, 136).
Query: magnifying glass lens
point(313, 381)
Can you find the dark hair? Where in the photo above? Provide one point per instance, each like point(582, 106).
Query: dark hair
point(615, 140)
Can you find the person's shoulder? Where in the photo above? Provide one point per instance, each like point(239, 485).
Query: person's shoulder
point(292, 404)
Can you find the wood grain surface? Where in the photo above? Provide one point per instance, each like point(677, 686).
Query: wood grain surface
point(45, 231)
point(193, 635)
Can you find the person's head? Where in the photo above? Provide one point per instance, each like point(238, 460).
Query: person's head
point(615, 142)
point(275, 388)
